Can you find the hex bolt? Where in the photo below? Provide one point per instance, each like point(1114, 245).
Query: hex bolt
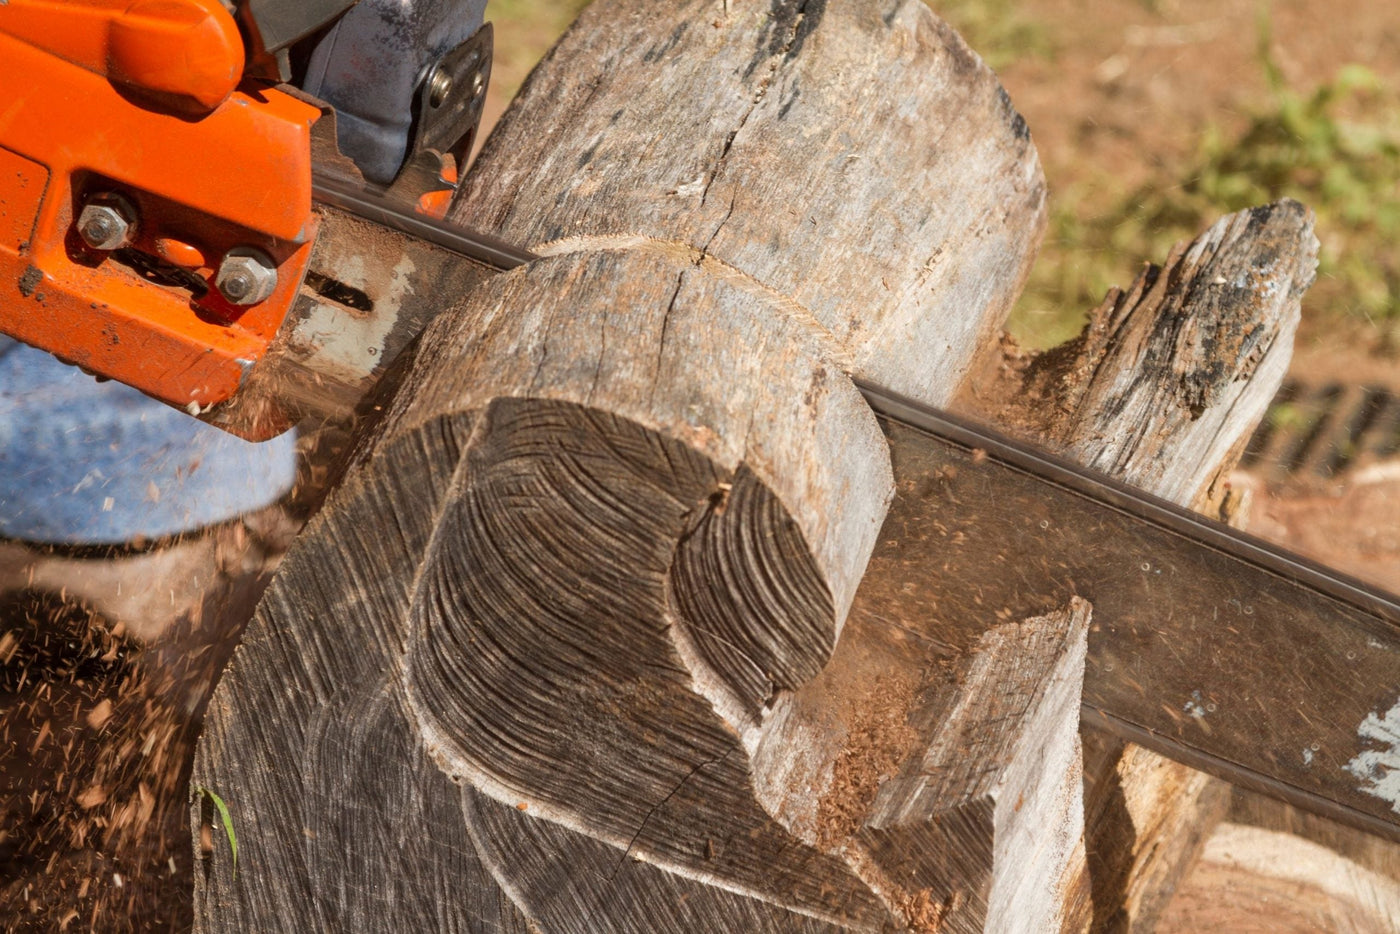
point(439, 87)
point(246, 277)
point(107, 222)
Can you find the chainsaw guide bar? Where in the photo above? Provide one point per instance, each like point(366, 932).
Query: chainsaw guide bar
point(1208, 646)
point(375, 278)
point(285, 287)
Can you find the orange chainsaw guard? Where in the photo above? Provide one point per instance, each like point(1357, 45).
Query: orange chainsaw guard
point(184, 54)
point(147, 315)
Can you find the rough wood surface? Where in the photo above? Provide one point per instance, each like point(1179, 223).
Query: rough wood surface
point(1146, 819)
point(582, 642)
point(856, 157)
point(587, 597)
point(632, 490)
point(532, 665)
point(1256, 881)
point(1162, 389)
point(978, 828)
point(1271, 867)
point(932, 201)
point(1169, 378)
point(938, 751)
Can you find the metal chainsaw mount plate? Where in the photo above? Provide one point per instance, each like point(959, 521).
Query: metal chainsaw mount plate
point(452, 96)
point(375, 278)
point(1209, 646)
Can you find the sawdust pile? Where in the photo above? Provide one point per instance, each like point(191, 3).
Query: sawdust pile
point(97, 737)
point(94, 760)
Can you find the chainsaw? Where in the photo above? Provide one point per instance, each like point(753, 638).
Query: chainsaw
point(179, 212)
point(175, 216)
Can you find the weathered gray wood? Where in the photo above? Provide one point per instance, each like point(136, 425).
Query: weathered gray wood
point(1163, 389)
point(1170, 377)
point(938, 752)
point(958, 200)
point(602, 887)
point(621, 500)
point(980, 835)
point(856, 157)
point(328, 734)
point(591, 621)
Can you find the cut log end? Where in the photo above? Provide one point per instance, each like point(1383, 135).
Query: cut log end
point(578, 597)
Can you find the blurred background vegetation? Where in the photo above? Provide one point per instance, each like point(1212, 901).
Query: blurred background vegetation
point(1191, 134)
point(525, 29)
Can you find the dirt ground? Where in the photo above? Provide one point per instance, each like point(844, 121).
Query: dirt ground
point(1129, 87)
point(1130, 84)
point(1116, 92)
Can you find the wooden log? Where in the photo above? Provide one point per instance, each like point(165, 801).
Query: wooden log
point(1163, 388)
point(592, 590)
point(1271, 867)
point(855, 157)
point(1146, 821)
point(967, 816)
point(530, 664)
point(939, 263)
point(578, 643)
point(1275, 245)
point(1170, 378)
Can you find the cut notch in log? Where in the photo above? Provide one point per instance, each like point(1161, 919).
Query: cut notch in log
point(735, 305)
point(558, 647)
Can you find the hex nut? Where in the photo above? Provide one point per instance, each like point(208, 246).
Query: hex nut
point(103, 225)
point(246, 277)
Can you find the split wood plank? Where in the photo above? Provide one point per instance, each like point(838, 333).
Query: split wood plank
point(1162, 389)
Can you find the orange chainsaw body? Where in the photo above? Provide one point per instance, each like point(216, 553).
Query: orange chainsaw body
point(144, 101)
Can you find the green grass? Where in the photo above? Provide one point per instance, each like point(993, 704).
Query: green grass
point(1336, 149)
point(227, 820)
point(996, 30)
